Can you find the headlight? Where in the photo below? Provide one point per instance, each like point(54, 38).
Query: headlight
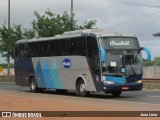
point(139, 81)
point(108, 82)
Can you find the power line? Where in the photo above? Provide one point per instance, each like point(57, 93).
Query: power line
point(137, 20)
point(135, 3)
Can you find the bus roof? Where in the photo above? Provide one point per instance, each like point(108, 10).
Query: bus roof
point(72, 34)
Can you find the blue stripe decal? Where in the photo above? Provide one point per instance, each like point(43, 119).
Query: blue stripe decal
point(47, 75)
point(55, 76)
point(119, 80)
point(39, 76)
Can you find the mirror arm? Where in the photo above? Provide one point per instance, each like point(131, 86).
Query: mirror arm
point(147, 51)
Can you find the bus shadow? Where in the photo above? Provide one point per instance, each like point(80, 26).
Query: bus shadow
point(93, 95)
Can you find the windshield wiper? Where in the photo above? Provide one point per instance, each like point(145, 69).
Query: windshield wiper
point(118, 65)
point(132, 68)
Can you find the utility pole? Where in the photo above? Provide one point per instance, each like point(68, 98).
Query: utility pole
point(72, 14)
point(9, 14)
point(8, 56)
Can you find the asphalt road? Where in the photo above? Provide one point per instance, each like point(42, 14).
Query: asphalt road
point(141, 97)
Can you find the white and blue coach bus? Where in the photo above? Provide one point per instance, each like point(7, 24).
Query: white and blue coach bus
point(85, 61)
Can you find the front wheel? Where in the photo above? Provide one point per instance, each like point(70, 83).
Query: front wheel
point(81, 89)
point(116, 94)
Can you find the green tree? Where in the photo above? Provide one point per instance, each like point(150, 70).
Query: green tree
point(87, 25)
point(29, 33)
point(147, 63)
point(51, 24)
point(9, 37)
point(154, 62)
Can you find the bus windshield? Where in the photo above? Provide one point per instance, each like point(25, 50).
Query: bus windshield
point(123, 57)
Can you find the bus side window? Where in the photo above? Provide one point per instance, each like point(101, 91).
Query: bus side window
point(49, 49)
point(23, 51)
point(74, 47)
point(67, 48)
point(96, 62)
point(58, 47)
point(52, 49)
point(32, 49)
point(78, 46)
point(92, 46)
point(17, 53)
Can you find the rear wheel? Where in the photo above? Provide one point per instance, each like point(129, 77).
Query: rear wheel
point(33, 86)
point(81, 89)
point(116, 94)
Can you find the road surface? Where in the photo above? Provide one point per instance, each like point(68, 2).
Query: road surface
point(16, 98)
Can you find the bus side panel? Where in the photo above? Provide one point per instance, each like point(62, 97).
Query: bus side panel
point(46, 73)
point(51, 73)
point(79, 67)
point(96, 76)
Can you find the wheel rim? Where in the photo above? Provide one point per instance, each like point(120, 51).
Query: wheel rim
point(82, 88)
point(33, 85)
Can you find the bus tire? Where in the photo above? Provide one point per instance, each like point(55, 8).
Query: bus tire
point(116, 94)
point(81, 89)
point(33, 86)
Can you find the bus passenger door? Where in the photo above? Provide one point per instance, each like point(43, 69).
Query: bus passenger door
point(94, 61)
point(96, 70)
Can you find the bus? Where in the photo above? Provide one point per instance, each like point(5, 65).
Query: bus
point(84, 61)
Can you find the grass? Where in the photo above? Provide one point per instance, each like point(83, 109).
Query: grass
point(151, 86)
point(7, 79)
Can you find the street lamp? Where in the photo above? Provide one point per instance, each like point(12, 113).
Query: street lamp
point(156, 34)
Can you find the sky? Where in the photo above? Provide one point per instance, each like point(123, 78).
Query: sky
point(136, 17)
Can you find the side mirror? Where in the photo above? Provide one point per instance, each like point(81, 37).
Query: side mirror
point(147, 52)
point(103, 54)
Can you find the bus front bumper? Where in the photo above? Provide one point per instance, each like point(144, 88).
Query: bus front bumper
point(122, 87)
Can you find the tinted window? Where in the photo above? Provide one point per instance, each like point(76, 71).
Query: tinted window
point(21, 51)
point(91, 46)
point(64, 47)
point(46, 48)
point(58, 47)
point(78, 46)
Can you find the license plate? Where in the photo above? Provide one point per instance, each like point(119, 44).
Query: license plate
point(125, 88)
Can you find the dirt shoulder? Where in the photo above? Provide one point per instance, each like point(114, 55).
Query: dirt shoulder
point(26, 101)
